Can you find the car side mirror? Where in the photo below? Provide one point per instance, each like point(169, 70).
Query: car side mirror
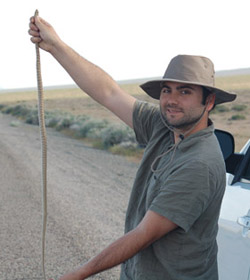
point(226, 141)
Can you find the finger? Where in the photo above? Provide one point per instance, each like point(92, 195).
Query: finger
point(32, 19)
point(34, 33)
point(33, 26)
point(36, 40)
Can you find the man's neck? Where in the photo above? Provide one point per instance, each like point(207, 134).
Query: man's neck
point(179, 135)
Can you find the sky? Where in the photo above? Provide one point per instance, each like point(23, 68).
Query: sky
point(129, 39)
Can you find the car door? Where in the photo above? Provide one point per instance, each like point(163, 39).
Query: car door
point(234, 223)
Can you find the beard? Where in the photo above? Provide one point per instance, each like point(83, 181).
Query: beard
point(186, 122)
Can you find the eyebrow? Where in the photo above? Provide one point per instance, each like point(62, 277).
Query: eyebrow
point(179, 87)
point(185, 86)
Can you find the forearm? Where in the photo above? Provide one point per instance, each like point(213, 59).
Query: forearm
point(89, 77)
point(151, 228)
point(115, 254)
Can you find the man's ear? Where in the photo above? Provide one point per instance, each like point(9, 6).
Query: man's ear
point(210, 102)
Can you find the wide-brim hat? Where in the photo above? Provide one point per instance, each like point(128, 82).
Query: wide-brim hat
point(189, 69)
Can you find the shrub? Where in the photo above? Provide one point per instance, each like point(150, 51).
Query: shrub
point(17, 110)
point(115, 134)
point(104, 134)
point(2, 106)
point(7, 110)
point(20, 111)
point(237, 117)
point(220, 109)
point(239, 107)
point(51, 121)
point(64, 122)
point(92, 128)
point(15, 123)
point(32, 117)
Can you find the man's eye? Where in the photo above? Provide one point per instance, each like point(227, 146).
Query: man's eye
point(185, 92)
point(165, 90)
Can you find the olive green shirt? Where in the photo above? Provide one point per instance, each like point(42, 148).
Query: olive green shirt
point(187, 189)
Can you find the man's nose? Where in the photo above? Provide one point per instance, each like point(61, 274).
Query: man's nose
point(172, 98)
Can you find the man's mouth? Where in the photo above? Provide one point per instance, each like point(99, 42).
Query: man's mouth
point(173, 111)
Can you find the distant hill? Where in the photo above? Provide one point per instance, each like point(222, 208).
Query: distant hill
point(222, 73)
point(233, 72)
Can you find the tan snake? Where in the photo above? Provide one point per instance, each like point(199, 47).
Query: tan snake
point(43, 150)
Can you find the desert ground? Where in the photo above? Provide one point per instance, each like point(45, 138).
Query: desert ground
point(88, 191)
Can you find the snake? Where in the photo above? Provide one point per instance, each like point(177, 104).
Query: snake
point(43, 138)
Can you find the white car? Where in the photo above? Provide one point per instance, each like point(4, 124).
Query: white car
point(234, 223)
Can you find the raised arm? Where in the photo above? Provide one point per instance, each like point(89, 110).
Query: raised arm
point(89, 77)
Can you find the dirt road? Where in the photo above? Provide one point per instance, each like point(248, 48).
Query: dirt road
point(88, 191)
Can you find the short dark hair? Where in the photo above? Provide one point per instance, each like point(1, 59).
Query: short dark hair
point(205, 93)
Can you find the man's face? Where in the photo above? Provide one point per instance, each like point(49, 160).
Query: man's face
point(181, 104)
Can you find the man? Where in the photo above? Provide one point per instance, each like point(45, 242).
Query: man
point(171, 222)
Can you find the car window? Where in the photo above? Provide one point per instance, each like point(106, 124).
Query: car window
point(245, 178)
point(246, 175)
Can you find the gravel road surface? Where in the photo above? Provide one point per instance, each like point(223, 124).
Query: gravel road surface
point(88, 192)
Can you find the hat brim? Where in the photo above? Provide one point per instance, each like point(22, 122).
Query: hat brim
point(153, 89)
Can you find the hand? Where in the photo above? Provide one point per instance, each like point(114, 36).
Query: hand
point(71, 276)
point(43, 34)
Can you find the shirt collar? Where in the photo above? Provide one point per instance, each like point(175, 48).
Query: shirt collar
point(193, 138)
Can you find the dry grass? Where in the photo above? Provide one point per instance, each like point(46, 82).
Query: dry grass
point(234, 83)
point(76, 102)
